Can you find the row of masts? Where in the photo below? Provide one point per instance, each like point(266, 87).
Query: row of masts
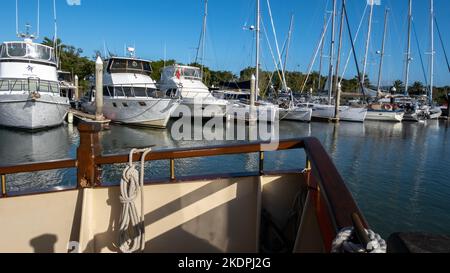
point(334, 69)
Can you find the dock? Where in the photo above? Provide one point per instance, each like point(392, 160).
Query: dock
point(87, 117)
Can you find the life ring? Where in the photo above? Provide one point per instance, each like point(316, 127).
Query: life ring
point(388, 107)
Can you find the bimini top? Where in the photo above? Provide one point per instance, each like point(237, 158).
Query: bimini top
point(27, 51)
point(128, 65)
point(182, 71)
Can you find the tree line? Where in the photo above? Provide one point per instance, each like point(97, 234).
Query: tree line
point(71, 60)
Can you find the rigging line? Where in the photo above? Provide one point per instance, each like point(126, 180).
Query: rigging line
point(442, 43)
point(271, 51)
point(315, 55)
point(355, 40)
point(354, 52)
point(420, 53)
point(276, 41)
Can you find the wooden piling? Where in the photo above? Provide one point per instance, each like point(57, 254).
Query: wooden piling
point(99, 89)
point(77, 89)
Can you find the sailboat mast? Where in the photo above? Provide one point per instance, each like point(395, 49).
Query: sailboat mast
point(432, 51)
point(333, 34)
point(369, 32)
point(321, 54)
point(338, 62)
point(287, 49)
point(408, 54)
point(258, 32)
point(382, 50)
point(205, 18)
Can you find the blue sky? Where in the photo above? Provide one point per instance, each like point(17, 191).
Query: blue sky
point(176, 25)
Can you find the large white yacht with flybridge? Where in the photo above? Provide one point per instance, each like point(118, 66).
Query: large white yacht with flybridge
point(30, 96)
point(196, 99)
point(130, 94)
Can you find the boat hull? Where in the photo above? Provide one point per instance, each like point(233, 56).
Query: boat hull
point(268, 114)
point(435, 113)
point(345, 113)
point(200, 109)
point(23, 112)
point(297, 114)
point(381, 115)
point(153, 113)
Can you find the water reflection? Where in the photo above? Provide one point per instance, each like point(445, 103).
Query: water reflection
point(17, 147)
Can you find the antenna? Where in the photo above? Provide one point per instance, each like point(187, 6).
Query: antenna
point(28, 35)
point(17, 18)
point(104, 49)
point(55, 42)
point(38, 18)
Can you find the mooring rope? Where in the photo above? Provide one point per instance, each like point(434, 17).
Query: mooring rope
point(345, 243)
point(132, 225)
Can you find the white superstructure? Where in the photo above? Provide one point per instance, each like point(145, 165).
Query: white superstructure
point(29, 88)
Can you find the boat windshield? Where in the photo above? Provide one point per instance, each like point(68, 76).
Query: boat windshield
point(24, 50)
point(130, 66)
point(191, 73)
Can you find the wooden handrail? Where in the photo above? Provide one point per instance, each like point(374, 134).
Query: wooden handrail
point(182, 153)
point(336, 193)
point(39, 166)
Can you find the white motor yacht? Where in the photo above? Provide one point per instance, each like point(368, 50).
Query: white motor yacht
point(196, 99)
point(131, 96)
point(29, 89)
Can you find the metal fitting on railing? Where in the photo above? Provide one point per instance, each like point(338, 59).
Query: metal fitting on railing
point(172, 169)
point(4, 194)
point(261, 163)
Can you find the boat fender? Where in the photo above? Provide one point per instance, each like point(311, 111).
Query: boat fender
point(346, 242)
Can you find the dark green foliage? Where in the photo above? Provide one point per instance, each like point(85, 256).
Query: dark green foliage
point(71, 60)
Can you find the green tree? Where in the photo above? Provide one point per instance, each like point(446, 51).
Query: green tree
point(417, 88)
point(399, 86)
point(70, 60)
point(157, 67)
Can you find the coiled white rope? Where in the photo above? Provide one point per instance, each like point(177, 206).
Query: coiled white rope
point(132, 237)
point(344, 243)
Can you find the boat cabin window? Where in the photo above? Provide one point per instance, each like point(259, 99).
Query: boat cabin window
point(64, 77)
point(29, 85)
point(130, 66)
point(127, 91)
point(27, 51)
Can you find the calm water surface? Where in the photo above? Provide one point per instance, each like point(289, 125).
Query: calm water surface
point(398, 173)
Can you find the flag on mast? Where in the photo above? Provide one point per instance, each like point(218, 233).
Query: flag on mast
point(374, 2)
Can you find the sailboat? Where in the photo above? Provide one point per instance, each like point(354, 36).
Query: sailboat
point(385, 109)
point(264, 111)
point(30, 95)
point(325, 108)
point(187, 82)
point(288, 109)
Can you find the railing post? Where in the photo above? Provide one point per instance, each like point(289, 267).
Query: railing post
point(172, 170)
point(88, 174)
point(308, 164)
point(4, 193)
point(261, 163)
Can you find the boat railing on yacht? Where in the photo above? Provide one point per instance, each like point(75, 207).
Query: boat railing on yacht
point(133, 90)
point(327, 203)
point(28, 85)
point(27, 51)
